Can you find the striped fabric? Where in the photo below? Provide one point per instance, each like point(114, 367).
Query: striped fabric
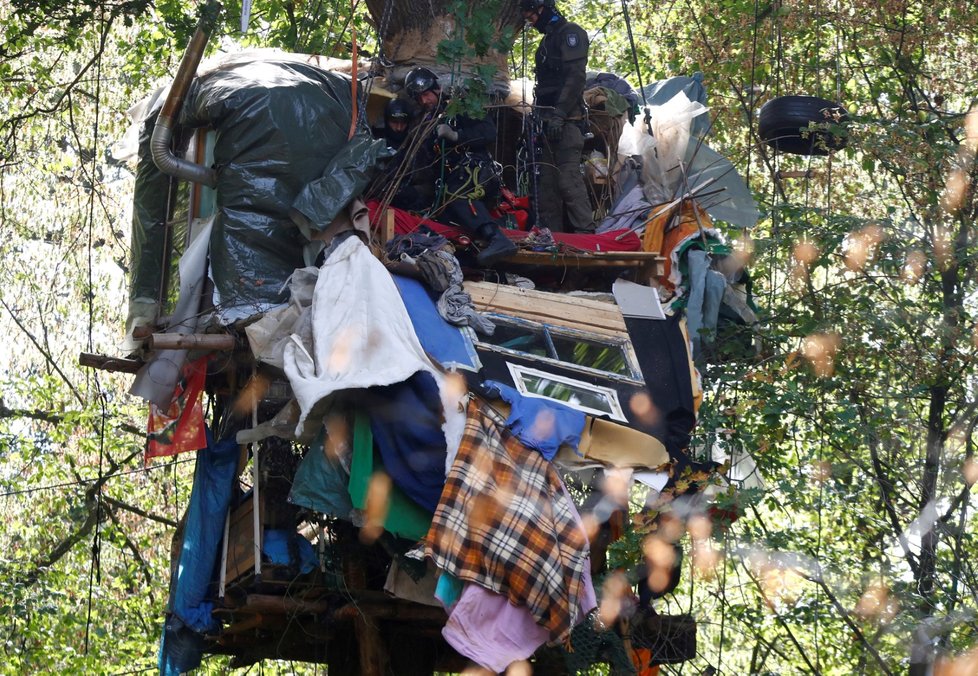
point(504, 522)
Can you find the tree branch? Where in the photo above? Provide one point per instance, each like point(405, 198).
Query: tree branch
point(170, 523)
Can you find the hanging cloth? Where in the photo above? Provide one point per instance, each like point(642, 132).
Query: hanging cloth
point(505, 523)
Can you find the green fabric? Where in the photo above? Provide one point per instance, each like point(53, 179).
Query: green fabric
point(405, 518)
point(615, 104)
point(320, 484)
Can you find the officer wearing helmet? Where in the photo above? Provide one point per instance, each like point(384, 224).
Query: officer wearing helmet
point(395, 131)
point(397, 115)
point(471, 183)
point(561, 71)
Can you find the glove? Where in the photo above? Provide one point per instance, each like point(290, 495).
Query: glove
point(555, 129)
point(447, 133)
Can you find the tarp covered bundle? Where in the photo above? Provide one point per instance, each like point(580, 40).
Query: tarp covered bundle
point(280, 127)
point(283, 134)
point(369, 352)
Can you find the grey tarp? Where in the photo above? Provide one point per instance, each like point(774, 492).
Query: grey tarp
point(151, 193)
point(710, 172)
point(707, 168)
point(280, 127)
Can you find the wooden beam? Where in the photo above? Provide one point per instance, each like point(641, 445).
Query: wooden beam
point(280, 605)
point(373, 651)
point(213, 342)
point(808, 173)
point(247, 624)
point(391, 610)
point(107, 363)
point(648, 261)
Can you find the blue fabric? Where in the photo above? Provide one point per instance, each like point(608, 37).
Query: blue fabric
point(706, 289)
point(447, 344)
point(190, 611)
point(540, 424)
point(180, 649)
point(275, 547)
point(405, 419)
point(448, 589)
point(320, 483)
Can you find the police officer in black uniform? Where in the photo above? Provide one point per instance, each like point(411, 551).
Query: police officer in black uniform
point(395, 131)
point(561, 71)
point(397, 116)
point(471, 183)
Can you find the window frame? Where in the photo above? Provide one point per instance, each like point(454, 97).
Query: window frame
point(615, 412)
point(634, 375)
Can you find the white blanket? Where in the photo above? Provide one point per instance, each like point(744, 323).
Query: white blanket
point(359, 335)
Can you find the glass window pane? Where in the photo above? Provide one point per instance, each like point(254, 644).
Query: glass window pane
point(585, 397)
point(545, 387)
point(519, 338)
point(608, 357)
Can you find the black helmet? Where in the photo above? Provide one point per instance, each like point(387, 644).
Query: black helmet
point(397, 109)
point(420, 80)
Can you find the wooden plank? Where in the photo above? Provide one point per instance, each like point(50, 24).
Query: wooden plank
point(281, 605)
point(808, 173)
point(241, 539)
point(574, 312)
point(373, 652)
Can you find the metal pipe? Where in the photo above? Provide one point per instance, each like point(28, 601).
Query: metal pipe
point(163, 155)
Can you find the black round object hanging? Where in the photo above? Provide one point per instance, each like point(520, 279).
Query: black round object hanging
point(803, 125)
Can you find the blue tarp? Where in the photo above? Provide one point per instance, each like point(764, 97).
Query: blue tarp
point(447, 344)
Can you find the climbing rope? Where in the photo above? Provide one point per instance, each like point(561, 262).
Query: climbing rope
point(750, 94)
point(355, 117)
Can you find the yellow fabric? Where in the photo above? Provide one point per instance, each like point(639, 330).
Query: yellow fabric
point(615, 445)
point(694, 374)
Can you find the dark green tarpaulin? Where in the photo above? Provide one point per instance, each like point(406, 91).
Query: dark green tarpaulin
point(282, 130)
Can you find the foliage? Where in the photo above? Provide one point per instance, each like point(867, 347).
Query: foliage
point(475, 35)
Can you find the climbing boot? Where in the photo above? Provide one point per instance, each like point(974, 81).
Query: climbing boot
point(497, 247)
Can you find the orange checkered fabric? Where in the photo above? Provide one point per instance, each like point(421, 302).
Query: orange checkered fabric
point(506, 523)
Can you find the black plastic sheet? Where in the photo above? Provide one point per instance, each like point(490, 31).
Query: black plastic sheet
point(280, 126)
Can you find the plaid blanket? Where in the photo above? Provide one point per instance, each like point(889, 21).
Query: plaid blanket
point(504, 522)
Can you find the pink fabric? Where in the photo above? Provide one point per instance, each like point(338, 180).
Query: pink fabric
point(487, 629)
point(406, 222)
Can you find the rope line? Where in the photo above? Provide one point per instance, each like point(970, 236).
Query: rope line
point(85, 482)
point(638, 70)
point(95, 568)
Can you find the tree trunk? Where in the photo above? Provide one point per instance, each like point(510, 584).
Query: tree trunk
point(411, 32)
point(922, 650)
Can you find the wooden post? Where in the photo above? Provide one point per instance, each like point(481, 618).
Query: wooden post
point(808, 173)
point(387, 229)
point(373, 652)
point(106, 363)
